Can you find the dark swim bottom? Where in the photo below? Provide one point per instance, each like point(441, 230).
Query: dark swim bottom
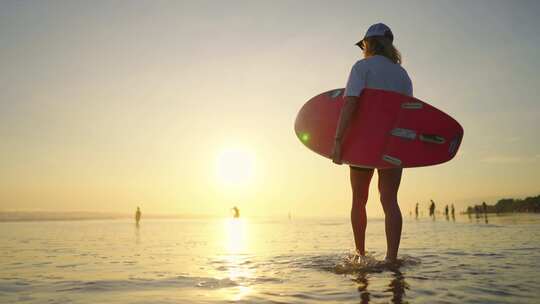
point(360, 168)
point(389, 180)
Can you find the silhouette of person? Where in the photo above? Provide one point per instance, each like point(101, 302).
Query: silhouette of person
point(477, 211)
point(453, 212)
point(236, 212)
point(484, 209)
point(432, 209)
point(416, 210)
point(137, 215)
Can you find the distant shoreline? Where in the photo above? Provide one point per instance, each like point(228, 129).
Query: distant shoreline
point(46, 216)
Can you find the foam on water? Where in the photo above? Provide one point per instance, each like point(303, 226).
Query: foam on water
point(354, 263)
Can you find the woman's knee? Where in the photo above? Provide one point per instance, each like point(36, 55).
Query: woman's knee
point(389, 180)
point(389, 203)
point(360, 199)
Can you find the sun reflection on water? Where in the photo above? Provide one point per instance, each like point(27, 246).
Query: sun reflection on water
point(236, 256)
point(235, 236)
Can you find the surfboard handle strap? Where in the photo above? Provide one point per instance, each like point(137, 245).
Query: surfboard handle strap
point(432, 138)
point(411, 135)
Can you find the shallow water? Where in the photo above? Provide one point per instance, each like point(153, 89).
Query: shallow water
point(269, 261)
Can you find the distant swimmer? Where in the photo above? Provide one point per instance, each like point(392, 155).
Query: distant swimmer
point(236, 212)
point(137, 215)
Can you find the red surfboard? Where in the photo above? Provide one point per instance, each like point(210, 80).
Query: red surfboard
point(388, 130)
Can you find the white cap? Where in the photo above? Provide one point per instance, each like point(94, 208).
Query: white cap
point(378, 29)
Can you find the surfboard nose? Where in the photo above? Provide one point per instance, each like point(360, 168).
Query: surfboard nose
point(454, 144)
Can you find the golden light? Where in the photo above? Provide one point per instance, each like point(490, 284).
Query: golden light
point(236, 242)
point(235, 236)
point(235, 166)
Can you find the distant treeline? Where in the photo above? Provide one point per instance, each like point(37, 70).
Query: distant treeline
point(529, 204)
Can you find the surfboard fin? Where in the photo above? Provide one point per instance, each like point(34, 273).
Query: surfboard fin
point(452, 149)
point(432, 138)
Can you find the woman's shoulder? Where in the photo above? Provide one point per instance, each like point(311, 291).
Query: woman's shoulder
point(365, 61)
point(361, 64)
point(404, 71)
point(371, 60)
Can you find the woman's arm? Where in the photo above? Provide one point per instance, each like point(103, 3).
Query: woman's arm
point(349, 108)
point(355, 84)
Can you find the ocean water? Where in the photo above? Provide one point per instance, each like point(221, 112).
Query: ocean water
point(250, 260)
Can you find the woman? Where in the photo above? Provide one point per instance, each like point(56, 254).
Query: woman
point(380, 69)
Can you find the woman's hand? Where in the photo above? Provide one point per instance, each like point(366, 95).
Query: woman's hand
point(345, 116)
point(336, 152)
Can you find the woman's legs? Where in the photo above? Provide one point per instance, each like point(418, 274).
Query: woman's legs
point(360, 179)
point(389, 180)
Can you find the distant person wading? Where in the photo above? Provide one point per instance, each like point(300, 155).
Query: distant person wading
point(236, 212)
point(379, 69)
point(138, 215)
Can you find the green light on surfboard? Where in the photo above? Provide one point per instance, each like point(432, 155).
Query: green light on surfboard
point(304, 137)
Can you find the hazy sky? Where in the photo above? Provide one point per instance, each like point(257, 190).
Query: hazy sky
point(108, 105)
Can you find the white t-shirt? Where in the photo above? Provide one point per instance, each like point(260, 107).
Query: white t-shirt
point(378, 72)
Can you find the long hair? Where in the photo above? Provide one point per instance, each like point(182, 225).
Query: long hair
point(380, 45)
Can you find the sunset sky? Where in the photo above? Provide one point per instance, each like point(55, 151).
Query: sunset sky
point(187, 107)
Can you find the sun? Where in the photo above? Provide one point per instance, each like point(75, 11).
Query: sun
point(235, 166)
